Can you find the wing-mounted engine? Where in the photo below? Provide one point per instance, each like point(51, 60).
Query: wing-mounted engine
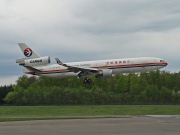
point(34, 62)
point(104, 73)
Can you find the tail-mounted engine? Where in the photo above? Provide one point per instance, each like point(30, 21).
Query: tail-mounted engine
point(34, 62)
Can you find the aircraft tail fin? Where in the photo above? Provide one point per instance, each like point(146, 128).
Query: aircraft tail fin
point(28, 52)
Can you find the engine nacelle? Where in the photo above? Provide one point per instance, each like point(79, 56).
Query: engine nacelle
point(104, 73)
point(36, 61)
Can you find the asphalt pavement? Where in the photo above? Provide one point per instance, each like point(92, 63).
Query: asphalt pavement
point(135, 125)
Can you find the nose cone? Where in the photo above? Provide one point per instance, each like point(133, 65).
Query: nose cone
point(165, 63)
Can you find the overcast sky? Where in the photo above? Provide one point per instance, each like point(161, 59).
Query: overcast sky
point(79, 30)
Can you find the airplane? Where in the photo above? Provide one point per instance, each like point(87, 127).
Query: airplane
point(34, 64)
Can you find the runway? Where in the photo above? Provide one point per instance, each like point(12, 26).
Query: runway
point(135, 125)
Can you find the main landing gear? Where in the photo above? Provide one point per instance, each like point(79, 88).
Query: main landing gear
point(87, 81)
point(147, 76)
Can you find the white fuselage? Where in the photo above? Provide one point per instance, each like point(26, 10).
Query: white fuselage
point(126, 65)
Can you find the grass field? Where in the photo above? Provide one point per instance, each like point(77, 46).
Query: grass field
point(11, 113)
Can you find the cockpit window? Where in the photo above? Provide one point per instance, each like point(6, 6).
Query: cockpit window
point(162, 61)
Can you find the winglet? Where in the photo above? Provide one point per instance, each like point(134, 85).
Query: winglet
point(58, 61)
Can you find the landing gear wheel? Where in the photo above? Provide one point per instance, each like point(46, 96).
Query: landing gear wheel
point(147, 76)
point(87, 81)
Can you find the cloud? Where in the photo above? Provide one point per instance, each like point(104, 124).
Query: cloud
point(78, 30)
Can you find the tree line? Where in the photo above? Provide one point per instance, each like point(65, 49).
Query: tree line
point(157, 87)
point(4, 90)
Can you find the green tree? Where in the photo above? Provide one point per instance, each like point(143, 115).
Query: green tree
point(152, 93)
point(165, 95)
point(121, 85)
point(4, 90)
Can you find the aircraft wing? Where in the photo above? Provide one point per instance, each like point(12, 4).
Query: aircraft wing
point(77, 69)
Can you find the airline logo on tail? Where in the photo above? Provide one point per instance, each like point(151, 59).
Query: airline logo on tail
point(27, 52)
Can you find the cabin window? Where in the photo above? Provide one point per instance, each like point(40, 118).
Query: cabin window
point(162, 61)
